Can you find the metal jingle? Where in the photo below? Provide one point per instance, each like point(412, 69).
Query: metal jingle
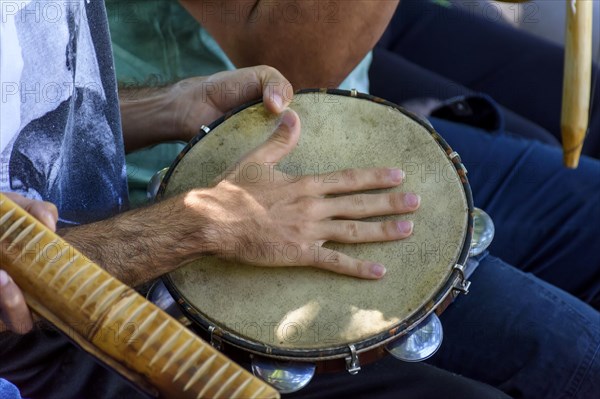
point(154, 183)
point(419, 344)
point(483, 232)
point(285, 376)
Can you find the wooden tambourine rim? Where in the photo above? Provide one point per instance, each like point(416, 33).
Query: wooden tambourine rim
point(454, 279)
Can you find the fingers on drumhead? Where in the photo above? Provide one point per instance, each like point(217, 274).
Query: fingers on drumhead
point(354, 232)
point(350, 180)
point(360, 206)
point(287, 132)
point(340, 263)
point(281, 142)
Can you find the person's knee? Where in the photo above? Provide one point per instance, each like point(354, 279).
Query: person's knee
point(528, 337)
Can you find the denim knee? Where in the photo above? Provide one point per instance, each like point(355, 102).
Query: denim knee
point(522, 335)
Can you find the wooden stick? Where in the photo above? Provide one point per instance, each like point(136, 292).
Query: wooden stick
point(577, 79)
point(110, 320)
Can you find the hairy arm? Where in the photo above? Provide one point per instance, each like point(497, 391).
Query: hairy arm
point(314, 43)
point(267, 213)
point(142, 244)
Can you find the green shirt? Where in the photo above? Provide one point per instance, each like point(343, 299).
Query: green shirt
point(160, 41)
point(157, 42)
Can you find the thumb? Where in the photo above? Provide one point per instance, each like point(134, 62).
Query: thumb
point(281, 142)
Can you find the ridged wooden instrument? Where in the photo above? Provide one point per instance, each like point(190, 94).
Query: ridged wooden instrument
point(112, 321)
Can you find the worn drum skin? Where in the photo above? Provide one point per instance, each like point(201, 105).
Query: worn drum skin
point(306, 314)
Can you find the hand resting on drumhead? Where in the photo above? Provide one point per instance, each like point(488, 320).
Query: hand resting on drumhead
point(254, 220)
point(14, 313)
point(256, 213)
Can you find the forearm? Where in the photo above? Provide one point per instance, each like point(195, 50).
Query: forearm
point(147, 116)
point(142, 244)
point(313, 43)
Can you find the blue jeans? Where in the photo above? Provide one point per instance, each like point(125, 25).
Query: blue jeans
point(535, 332)
point(522, 335)
point(530, 326)
point(513, 331)
point(547, 217)
point(442, 52)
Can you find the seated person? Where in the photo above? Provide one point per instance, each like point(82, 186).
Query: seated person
point(158, 42)
point(508, 177)
point(495, 59)
point(405, 66)
point(71, 151)
point(52, 172)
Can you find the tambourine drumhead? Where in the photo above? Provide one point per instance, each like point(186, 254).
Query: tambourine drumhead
point(298, 310)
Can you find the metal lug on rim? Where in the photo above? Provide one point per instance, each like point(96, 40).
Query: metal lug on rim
point(352, 363)
point(155, 182)
point(420, 343)
point(215, 338)
point(285, 376)
point(160, 296)
point(483, 232)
